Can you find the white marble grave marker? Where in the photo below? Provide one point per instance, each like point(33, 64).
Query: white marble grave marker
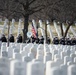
point(72, 57)
point(26, 58)
point(4, 66)
point(4, 54)
point(56, 71)
point(17, 56)
point(63, 69)
point(47, 57)
point(35, 68)
point(17, 68)
point(66, 59)
point(72, 70)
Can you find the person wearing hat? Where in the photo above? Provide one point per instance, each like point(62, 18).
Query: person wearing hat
point(37, 40)
point(56, 40)
point(67, 41)
point(33, 39)
point(3, 38)
point(73, 41)
point(62, 41)
point(11, 38)
point(41, 40)
point(19, 39)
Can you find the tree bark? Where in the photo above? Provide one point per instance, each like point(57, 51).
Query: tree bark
point(25, 30)
point(8, 33)
point(67, 31)
point(61, 27)
point(46, 31)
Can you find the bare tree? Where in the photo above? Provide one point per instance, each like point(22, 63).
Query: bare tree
point(62, 11)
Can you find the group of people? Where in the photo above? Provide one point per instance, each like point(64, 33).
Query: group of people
point(64, 41)
point(19, 39)
point(56, 40)
point(11, 38)
point(38, 40)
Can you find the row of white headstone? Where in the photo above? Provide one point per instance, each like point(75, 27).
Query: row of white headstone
point(34, 59)
point(12, 27)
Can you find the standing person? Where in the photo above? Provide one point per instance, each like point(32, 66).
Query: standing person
point(73, 41)
point(19, 39)
point(62, 41)
point(11, 38)
point(41, 40)
point(67, 41)
point(56, 41)
point(3, 38)
point(33, 39)
point(37, 40)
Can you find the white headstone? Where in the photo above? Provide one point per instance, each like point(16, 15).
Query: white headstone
point(3, 48)
point(21, 46)
point(68, 52)
point(55, 71)
point(35, 68)
point(10, 52)
point(17, 68)
point(16, 50)
point(56, 56)
point(42, 29)
point(17, 56)
point(26, 58)
point(75, 60)
point(4, 54)
point(47, 57)
point(72, 70)
point(19, 27)
point(63, 69)
point(30, 54)
point(66, 59)
point(72, 57)
point(62, 55)
point(54, 52)
point(40, 58)
point(70, 63)
point(4, 66)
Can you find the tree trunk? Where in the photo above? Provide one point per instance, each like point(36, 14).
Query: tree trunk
point(46, 31)
point(61, 27)
point(67, 31)
point(8, 33)
point(25, 30)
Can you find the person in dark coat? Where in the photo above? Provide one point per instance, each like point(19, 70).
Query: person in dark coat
point(41, 40)
point(19, 39)
point(56, 40)
point(33, 39)
point(62, 41)
point(73, 41)
point(48, 40)
point(37, 40)
point(11, 38)
point(67, 41)
point(3, 38)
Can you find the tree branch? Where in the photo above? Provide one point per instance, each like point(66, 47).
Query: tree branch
point(34, 11)
point(33, 8)
point(21, 3)
point(31, 2)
